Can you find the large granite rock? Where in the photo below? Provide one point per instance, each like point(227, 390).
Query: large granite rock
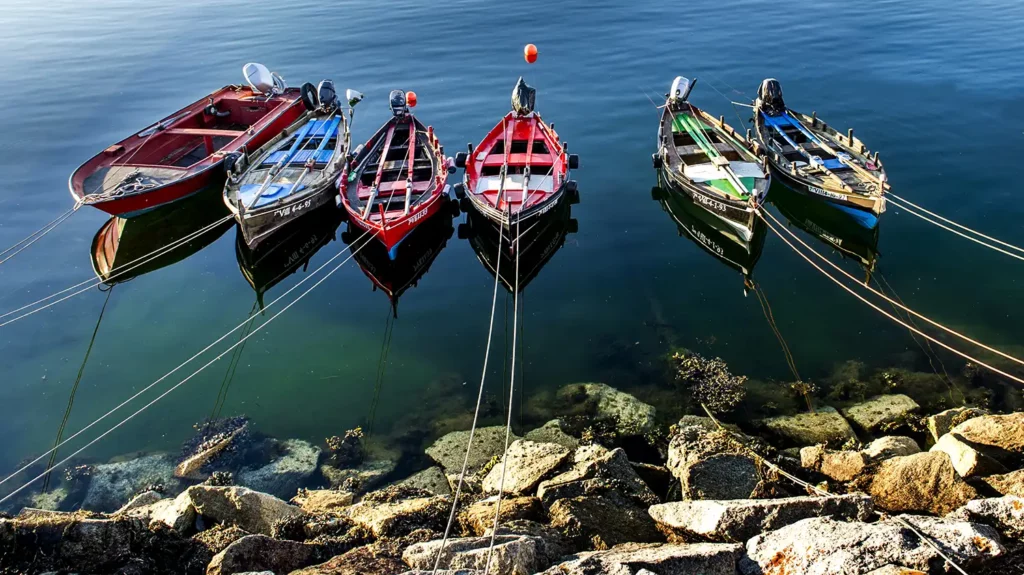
point(259, 553)
point(450, 450)
point(824, 425)
point(711, 464)
point(291, 469)
point(629, 415)
point(478, 518)
point(822, 545)
point(740, 519)
point(250, 510)
point(553, 432)
point(431, 479)
point(596, 470)
point(849, 465)
point(604, 521)
point(967, 461)
point(113, 484)
point(396, 511)
point(525, 464)
point(890, 446)
point(1008, 483)
point(921, 482)
point(1000, 437)
point(941, 423)
point(880, 410)
point(315, 501)
point(663, 559)
point(511, 554)
point(1005, 513)
point(178, 513)
point(364, 560)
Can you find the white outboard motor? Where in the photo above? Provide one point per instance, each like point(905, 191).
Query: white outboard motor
point(262, 80)
point(681, 88)
point(524, 98)
point(769, 97)
point(398, 104)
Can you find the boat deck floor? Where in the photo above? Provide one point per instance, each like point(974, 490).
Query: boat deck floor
point(108, 178)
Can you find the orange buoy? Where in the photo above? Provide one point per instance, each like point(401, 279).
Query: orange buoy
point(410, 99)
point(530, 53)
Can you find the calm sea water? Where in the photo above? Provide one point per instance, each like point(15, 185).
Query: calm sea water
point(936, 87)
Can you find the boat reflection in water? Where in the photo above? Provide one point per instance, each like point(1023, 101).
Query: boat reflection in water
point(830, 225)
point(124, 249)
point(287, 249)
point(413, 256)
point(538, 242)
point(710, 232)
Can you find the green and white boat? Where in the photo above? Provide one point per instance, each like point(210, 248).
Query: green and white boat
point(710, 162)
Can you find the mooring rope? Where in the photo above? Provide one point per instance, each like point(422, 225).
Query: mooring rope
point(183, 381)
point(229, 373)
point(120, 271)
point(889, 315)
point(38, 234)
point(768, 315)
point(961, 234)
point(382, 363)
point(189, 360)
point(887, 298)
point(951, 222)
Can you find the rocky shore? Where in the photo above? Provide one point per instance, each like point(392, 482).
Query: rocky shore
point(878, 485)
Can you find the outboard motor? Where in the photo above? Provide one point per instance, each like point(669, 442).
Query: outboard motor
point(681, 88)
point(327, 95)
point(524, 98)
point(769, 97)
point(398, 105)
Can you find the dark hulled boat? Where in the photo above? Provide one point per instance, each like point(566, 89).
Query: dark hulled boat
point(816, 160)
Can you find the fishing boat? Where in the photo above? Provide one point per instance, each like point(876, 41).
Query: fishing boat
point(817, 160)
point(710, 232)
point(295, 172)
point(535, 246)
point(124, 249)
point(395, 275)
point(287, 251)
point(184, 152)
point(398, 178)
point(520, 170)
point(709, 161)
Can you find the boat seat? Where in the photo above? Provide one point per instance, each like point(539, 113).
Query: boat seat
point(204, 132)
point(519, 159)
point(695, 149)
point(300, 157)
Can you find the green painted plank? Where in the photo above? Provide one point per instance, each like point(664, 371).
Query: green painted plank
point(726, 185)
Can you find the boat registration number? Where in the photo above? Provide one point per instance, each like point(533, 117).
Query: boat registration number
point(713, 204)
point(293, 209)
point(826, 193)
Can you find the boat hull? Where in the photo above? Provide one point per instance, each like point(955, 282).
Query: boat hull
point(392, 234)
point(740, 217)
point(258, 224)
point(865, 216)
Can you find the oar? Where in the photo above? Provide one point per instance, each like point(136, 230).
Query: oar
point(813, 160)
point(838, 155)
point(692, 122)
point(380, 173)
point(312, 159)
point(282, 163)
point(409, 166)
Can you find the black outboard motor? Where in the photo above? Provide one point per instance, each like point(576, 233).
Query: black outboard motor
point(524, 98)
point(327, 95)
point(398, 105)
point(769, 97)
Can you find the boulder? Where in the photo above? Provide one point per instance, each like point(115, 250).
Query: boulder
point(511, 555)
point(262, 553)
point(80, 540)
point(525, 464)
point(890, 446)
point(711, 464)
point(880, 410)
point(1005, 513)
point(142, 500)
point(811, 457)
point(663, 559)
point(213, 439)
point(843, 465)
point(891, 569)
point(941, 423)
point(596, 470)
point(364, 477)
point(397, 511)
point(603, 521)
point(450, 450)
point(52, 499)
point(657, 477)
point(920, 482)
point(822, 545)
point(849, 465)
point(554, 543)
point(358, 561)
point(316, 501)
point(740, 519)
point(553, 432)
point(431, 479)
point(216, 539)
point(629, 415)
point(178, 514)
point(113, 484)
point(1000, 437)
point(967, 461)
point(250, 510)
point(291, 469)
point(824, 425)
point(1008, 483)
point(478, 518)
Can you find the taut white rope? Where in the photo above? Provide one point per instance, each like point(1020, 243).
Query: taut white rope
point(949, 221)
point(910, 211)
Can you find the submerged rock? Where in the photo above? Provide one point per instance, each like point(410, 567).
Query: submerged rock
point(881, 410)
point(525, 464)
point(824, 425)
point(1000, 437)
point(113, 484)
point(250, 510)
point(596, 470)
point(920, 482)
point(629, 415)
point(603, 521)
point(823, 545)
point(258, 553)
point(553, 431)
point(511, 555)
point(368, 475)
point(663, 559)
point(450, 450)
point(941, 423)
point(431, 479)
point(740, 519)
point(397, 511)
point(294, 465)
point(967, 461)
point(212, 440)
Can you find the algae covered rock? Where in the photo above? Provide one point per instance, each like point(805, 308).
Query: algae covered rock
point(478, 518)
point(450, 450)
point(627, 414)
point(824, 425)
point(663, 559)
point(524, 466)
point(250, 510)
point(603, 521)
point(259, 553)
point(113, 484)
point(364, 477)
point(431, 479)
point(294, 463)
point(709, 381)
point(941, 423)
point(596, 470)
point(881, 410)
point(553, 431)
point(511, 555)
point(315, 501)
point(397, 511)
point(711, 464)
point(1000, 437)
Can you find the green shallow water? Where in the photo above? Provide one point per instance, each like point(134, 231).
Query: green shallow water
point(926, 85)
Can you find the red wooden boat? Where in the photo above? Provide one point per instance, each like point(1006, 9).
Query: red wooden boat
point(183, 153)
point(520, 170)
point(396, 180)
